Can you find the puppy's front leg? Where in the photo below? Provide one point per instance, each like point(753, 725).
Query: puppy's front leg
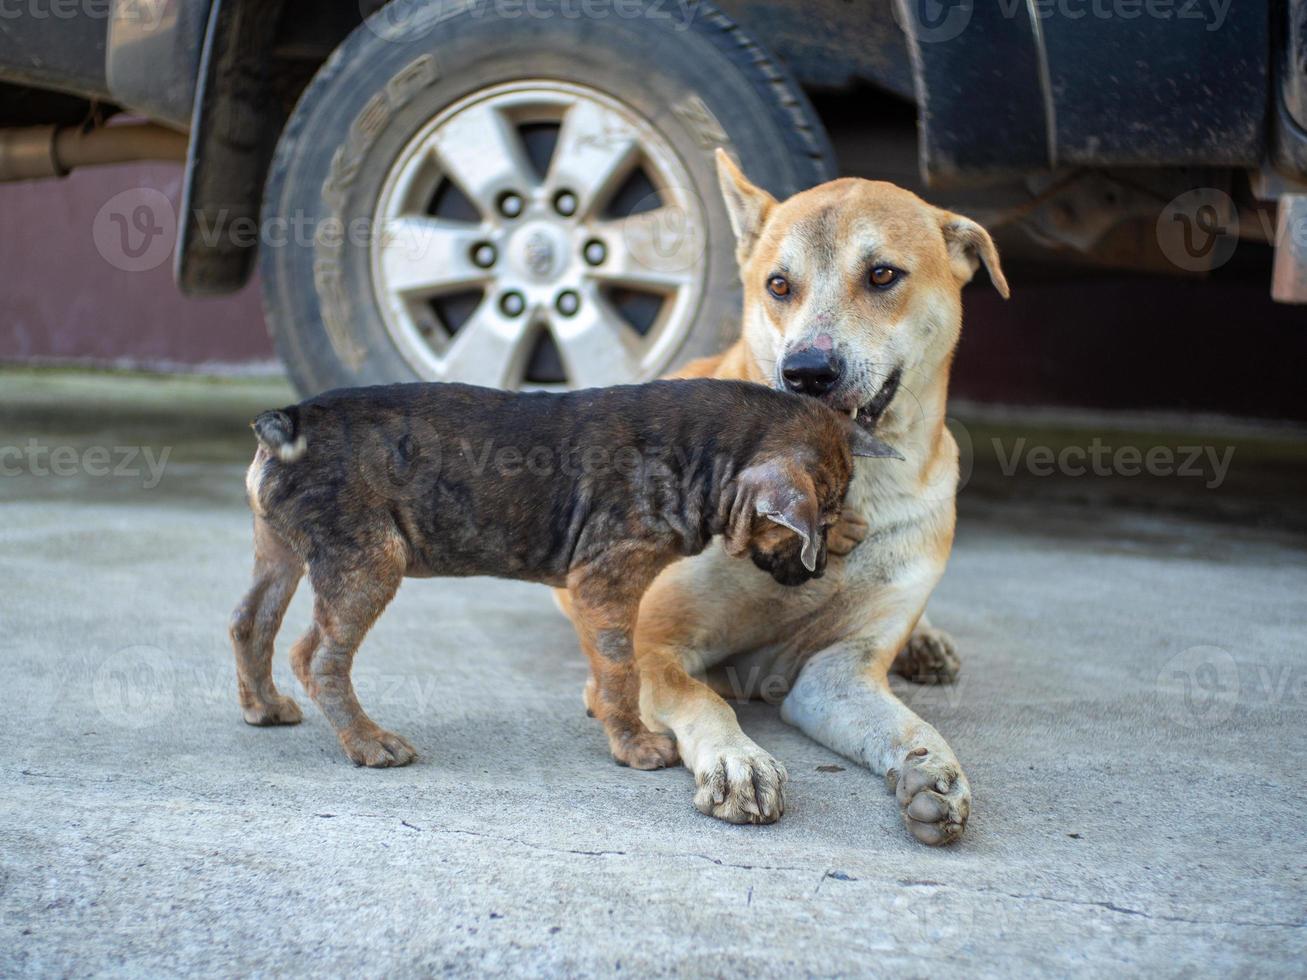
point(604, 612)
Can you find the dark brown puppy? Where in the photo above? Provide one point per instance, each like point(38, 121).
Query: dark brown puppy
point(596, 491)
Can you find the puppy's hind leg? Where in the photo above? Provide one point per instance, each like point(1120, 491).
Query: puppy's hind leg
point(254, 625)
point(301, 657)
point(348, 602)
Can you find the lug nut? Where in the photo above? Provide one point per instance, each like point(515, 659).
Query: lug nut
point(594, 252)
point(565, 203)
point(512, 304)
point(567, 302)
point(510, 204)
point(484, 255)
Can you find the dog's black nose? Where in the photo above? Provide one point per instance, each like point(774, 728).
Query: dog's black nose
point(811, 371)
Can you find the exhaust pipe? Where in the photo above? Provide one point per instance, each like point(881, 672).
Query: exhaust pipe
point(53, 151)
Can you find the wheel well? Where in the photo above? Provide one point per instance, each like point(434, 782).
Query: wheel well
point(259, 57)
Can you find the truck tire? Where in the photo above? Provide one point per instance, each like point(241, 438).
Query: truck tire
point(521, 196)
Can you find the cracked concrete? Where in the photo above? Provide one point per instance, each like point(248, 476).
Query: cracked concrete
point(1132, 715)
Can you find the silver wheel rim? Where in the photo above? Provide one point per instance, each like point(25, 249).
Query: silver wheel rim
point(501, 263)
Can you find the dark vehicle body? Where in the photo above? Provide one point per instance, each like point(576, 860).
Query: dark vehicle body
point(1065, 123)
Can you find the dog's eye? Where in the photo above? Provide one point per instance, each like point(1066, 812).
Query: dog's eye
point(778, 286)
point(883, 276)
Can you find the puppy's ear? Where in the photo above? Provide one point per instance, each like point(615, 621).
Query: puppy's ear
point(783, 494)
point(969, 244)
point(746, 205)
point(863, 443)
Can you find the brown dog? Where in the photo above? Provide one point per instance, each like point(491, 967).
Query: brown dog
point(595, 491)
point(852, 295)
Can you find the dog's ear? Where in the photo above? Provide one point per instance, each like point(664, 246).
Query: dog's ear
point(969, 244)
point(783, 494)
point(746, 205)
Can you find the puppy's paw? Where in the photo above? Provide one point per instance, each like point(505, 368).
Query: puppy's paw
point(930, 657)
point(846, 534)
point(934, 796)
point(279, 711)
point(645, 750)
point(377, 748)
point(742, 786)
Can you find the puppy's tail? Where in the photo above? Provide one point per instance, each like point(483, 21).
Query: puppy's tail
point(278, 431)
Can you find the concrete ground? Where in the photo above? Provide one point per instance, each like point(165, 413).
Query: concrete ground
point(1132, 714)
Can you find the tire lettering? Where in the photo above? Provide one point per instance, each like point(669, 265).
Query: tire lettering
point(328, 279)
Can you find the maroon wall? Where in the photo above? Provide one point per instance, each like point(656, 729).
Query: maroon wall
point(69, 292)
point(68, 289)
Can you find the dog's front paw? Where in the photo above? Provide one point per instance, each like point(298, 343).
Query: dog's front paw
point(934, 796)
point(930, 657)
point(281, 710)
point(846, 534)
point(742, 786)
point(645, 750)
point(376, 748)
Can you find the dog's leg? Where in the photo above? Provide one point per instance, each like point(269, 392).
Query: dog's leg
point(736, 780)
point(301, 656)
point(347, 605)
point(254, 625)
point(846, 534)
point(614, 695)
point(842, 699)
point(929, 656)
point(605, 601)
